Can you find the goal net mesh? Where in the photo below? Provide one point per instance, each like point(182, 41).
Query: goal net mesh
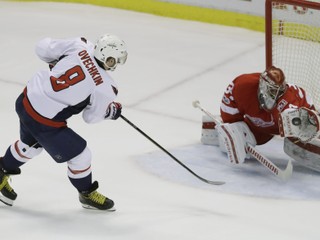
point(294, 43)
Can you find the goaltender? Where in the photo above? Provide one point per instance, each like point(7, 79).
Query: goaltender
point(257, 106)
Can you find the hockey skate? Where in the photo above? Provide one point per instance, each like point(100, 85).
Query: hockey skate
point(92, 199)
point(7, 194)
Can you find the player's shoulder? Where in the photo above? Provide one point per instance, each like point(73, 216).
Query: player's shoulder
point(247, 78)
point(78, 44)
point(296, 95)
point(293, 89)
point(246, 83)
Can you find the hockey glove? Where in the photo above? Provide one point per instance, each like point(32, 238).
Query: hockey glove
point(302, 123)
point(113, 111)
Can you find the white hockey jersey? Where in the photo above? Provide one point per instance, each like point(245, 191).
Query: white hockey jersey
point(75, 84)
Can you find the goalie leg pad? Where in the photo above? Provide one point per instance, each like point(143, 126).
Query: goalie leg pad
point(306, 154)
point(233, 140)
point(209, 134)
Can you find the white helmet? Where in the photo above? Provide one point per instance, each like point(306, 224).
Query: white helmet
point(110, 50)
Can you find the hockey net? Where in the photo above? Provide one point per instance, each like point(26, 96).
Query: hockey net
point(293, 42)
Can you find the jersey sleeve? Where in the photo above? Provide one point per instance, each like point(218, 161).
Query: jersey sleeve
point(308, 101)
point(99, 101)
point(95, 112)
point(298, 97)
point(228, 108)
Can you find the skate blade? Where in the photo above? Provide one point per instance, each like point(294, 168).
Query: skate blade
point(94, 208)
point(6, 200)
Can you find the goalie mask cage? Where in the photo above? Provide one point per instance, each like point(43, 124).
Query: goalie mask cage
point(293, 42)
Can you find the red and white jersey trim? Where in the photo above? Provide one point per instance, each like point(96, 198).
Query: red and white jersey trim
point(229, 110)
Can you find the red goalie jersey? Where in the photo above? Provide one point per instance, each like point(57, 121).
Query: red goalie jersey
point(240, 102)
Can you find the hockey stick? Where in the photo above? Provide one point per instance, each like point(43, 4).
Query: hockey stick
point(173, 157)
point(283, 174)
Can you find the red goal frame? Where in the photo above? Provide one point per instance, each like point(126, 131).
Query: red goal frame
point(268, 21)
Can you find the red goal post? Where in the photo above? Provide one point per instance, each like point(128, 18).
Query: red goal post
point(293, 42)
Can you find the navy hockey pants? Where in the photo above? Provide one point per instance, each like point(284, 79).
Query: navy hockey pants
point(61, 143)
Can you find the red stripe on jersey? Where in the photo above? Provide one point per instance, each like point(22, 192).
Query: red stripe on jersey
point(36, 116)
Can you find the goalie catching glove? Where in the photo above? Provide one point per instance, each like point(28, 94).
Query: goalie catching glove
point(301, 123)
point(113, 111)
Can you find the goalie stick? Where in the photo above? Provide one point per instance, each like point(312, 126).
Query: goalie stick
point(283, 174)
point(173, 157)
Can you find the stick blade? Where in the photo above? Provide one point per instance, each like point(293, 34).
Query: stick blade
point(216, 182)
point(287, 173)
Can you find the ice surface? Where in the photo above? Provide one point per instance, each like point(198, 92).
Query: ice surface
point(171, 63)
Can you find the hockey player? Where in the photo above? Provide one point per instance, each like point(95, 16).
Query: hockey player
point(250, 111)
point(77, 82)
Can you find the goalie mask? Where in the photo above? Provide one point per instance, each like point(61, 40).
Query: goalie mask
point(110, 51)
point(272, 86)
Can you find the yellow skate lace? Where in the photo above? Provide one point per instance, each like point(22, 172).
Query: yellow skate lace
point(97, 197)
point(5, 184)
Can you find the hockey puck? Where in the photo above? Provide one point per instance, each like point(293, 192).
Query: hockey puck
point(296, 121)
